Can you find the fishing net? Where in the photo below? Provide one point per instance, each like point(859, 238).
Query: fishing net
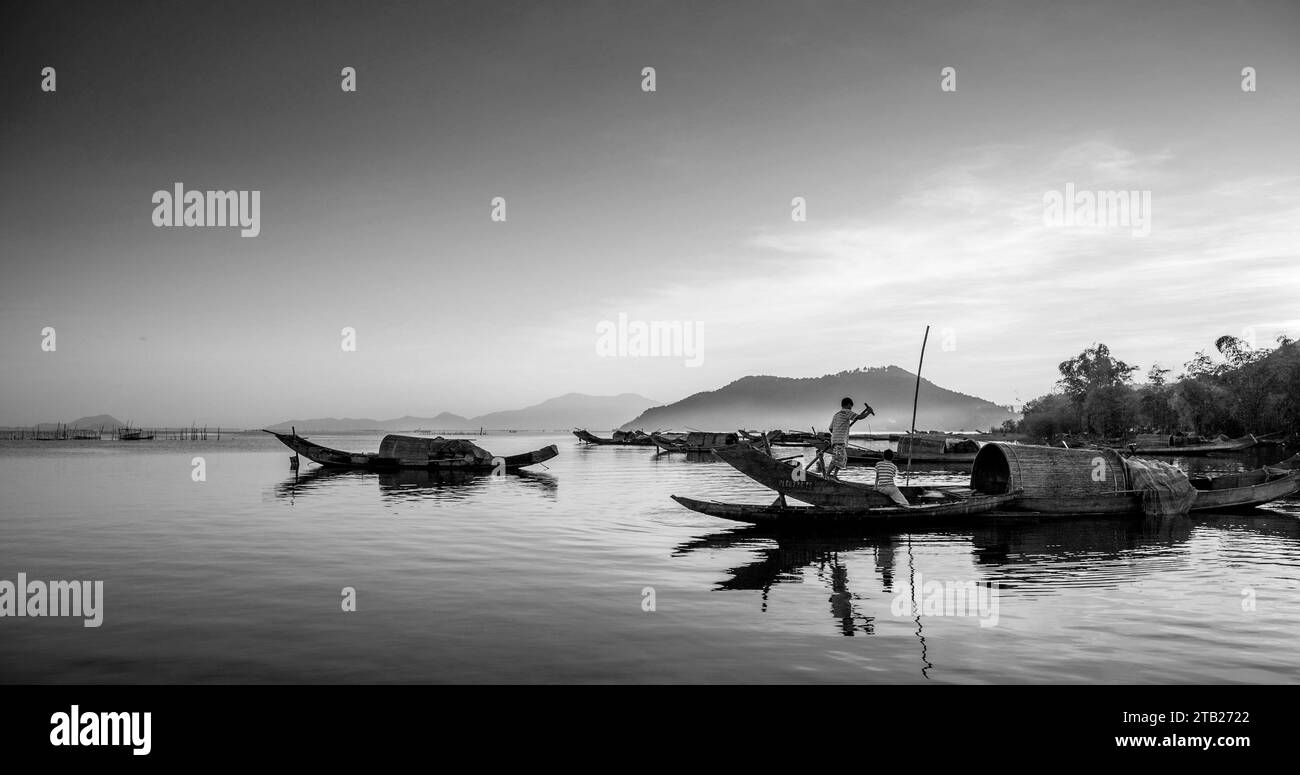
point(1166, 490)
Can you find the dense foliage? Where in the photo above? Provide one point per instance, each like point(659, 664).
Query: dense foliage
point(1247, 390)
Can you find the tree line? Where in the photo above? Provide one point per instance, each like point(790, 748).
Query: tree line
point(1247, 390)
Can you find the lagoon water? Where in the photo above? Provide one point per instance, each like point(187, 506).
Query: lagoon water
point(545, 577)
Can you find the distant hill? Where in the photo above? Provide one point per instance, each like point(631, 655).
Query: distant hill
point(799, 403)
point(573, 410)
point(567, 411)
point(105, 421)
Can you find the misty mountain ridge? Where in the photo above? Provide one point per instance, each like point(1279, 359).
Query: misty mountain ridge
point(800, 403)
point(571, 410)
point(93, 422)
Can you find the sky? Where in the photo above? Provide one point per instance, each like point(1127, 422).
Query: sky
point(924, 206)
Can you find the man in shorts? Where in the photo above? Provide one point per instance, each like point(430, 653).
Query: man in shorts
point(841, 421)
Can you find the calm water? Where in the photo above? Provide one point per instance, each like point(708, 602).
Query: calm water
point(540, 578)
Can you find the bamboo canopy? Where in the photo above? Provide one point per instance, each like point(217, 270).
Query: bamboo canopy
point(418, 450)
point(1047, 472)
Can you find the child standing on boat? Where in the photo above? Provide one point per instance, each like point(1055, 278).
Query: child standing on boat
point(886, 472)
point(841, 421)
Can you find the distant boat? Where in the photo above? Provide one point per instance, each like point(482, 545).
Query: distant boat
point(1157, 444)
point(620, 438)
point(415, 452)
point(923, 449)
point(697, 442)
point(136, 435)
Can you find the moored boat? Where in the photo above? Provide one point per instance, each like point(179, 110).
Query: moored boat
point(416, 452)
point(1055, 480)
point(1290, 464)
point(619, 438)
point(923, 449)
point(813, 516)
point(1232, 492)
point(695, 442)
point(1154, 444)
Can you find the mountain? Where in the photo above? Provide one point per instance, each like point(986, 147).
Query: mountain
point(105, 421)
point(790, 403)
point(573, 410)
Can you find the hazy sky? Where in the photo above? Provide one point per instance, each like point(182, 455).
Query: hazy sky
point(923, 206)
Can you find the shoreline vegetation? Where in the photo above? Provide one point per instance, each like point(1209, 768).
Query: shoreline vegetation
point(1250, 390)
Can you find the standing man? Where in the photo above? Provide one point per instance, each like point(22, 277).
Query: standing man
point(841, 421)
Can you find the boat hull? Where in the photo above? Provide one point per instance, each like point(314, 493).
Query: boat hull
point(1232, 445)
point(591, 438)
point(1252, 489)
point(803, 517)
point(372, 462)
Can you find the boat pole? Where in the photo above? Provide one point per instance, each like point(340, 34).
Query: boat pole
point(911, 440)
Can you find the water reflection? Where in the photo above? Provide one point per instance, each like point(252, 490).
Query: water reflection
point(1025, 555)
point(413, 484)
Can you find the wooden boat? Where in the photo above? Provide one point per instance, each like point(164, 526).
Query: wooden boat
point(1152, 444)
point(811, 516)
point(1055, 480)
point(798, 439)
point(129, 435)
point(695, 442)
point(415, 452)
point(922, 449)
point(1230, 492)
point(620, 438)
point(1290, 464)
point(810, 487)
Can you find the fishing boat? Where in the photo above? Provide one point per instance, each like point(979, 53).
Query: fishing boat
point(1290, 464)
point(1234, 492)
point(813, 516)
point(1156, 444)
point(791, 478)
point(620, 438)
point(416, 452)
point(695, 442)
point(923, 449)
point(1056, 480)
point(126, 434)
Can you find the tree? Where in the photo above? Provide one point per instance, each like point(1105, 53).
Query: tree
point(1096, 384)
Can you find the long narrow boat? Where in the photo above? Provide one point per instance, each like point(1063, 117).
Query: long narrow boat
point(416, 452)
point(1290, 464)
point(809, 516)
point(803, 485)
point(619, 439)
point(1150, 445)
point(1230, 492)
point(695, 442)
point(924, 448)
point(860, 455)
